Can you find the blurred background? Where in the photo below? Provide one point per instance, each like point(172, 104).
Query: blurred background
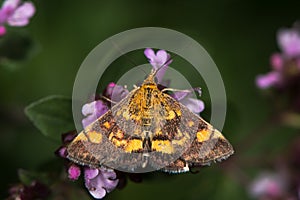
point(42, 59)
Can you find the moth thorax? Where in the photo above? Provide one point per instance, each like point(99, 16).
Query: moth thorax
point(150, 92)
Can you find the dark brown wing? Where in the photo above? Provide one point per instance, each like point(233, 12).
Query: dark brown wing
point(206, 145)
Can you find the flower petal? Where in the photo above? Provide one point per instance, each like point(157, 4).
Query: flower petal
point(93, 111)
point(90, 173)
point(289, 42)
point(194, 105)
point(268, 80)
point(109, 89)
point(268, 184)
point(22, 15)
point(88, 120)
point(118, 93)
point(104, 182)
point(161, 57)
point(180, 95)
point(149, 53)
point(94, 108)
point(74, 172)
point(2, 31)
point(61, 152)
point(277, 61)
point(161, 73)
point(11, 4)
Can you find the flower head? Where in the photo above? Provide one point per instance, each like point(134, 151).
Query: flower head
point(286, 64)
point(159, 60)
point(93, 111)
point(268, 185)
point(289, 42)
point(36, 190)
point(268, 80)
point(100, 181)
point(15, 13)
point(185, 97)
point(162, 60)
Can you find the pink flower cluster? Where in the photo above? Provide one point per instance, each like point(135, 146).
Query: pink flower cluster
point(284, 64)
point(15, 13)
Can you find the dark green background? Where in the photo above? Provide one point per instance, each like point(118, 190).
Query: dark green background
point(239, 35)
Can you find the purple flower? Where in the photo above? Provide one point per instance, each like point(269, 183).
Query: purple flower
point(93, 111)
point(36, 190)
point(277, 61)
point(286, 64)
point(115, 92)
point(289, 42)
point(268, 80)
point(15, 13)
point(159, 60)
point(193, 104)
point(100, 181)
point(163, 59)
point(268, 185)
point(74, 172)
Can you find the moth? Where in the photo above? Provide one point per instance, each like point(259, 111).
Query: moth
point(149, 129)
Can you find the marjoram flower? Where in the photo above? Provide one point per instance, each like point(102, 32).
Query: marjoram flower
point(286, 64)
point(15, 13)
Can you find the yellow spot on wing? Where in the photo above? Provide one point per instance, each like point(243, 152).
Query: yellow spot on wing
point(171, 115)
point(203, 135)
point(94, 137)
point(190, 123)
point(163, 146)
point(134, 145)
point(106, 125)
point(119, 143)
point(80, 137)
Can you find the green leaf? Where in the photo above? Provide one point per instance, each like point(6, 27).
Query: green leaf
point(52, 116)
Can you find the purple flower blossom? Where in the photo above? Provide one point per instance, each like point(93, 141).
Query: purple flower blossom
point(15, 13)
point(289, 42)
point(74, 172)
point(163, 59)
point(277, 61)
point(36, 190)
point(268, 80)
point(115, 92)
point(268, 185)
point(286, 64)
point(93, 111)
point(184, 97)
point(100, 181)
point(160, 59)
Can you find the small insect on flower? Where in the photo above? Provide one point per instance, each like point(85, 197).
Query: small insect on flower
point(147, 128)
